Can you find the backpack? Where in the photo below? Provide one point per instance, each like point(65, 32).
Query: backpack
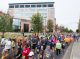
point(47, 54)
point(34, 40)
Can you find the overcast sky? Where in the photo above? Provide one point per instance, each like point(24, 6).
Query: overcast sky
point(67, 12)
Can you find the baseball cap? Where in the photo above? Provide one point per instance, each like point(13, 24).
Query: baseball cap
point(31, 53)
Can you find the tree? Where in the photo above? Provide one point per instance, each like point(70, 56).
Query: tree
point(70, 31)
point(50, 25)
point(5, 23)
point(77, 30)
point(37, 22)
point(63, 29)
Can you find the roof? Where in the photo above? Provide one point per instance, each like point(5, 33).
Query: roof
point(31, 3)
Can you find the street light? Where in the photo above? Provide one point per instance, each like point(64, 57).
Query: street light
point(45, 24)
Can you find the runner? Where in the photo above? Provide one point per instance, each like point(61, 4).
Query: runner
point(48, 54)
point(38, 47)
point(31, 55)
point(58, 48)
point(6, 55)
point(25, 52)
point(3, 42)
point(19, 52)
point(34, 43)
point(8, 45)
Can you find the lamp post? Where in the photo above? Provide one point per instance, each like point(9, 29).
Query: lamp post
point(45, 25)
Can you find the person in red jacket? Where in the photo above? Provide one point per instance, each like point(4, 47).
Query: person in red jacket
point(25, 52)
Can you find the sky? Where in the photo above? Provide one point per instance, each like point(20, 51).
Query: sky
point(67, 12)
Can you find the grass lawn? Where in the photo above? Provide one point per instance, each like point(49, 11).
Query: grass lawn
point(13, 34)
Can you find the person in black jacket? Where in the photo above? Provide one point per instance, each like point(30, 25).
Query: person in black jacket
point(19, 53)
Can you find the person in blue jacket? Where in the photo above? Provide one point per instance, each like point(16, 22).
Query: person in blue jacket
point(59, 38)
point(38, 47)
point(50, 43)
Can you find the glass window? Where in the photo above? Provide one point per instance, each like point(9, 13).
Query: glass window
point(33, 5)
point(42, 10)
point(44, 5)
point(21, 6)
point(16, 22)
point(27, 15)
point(16, 6)
point(50, 5)
point(44, 14)
point(27, 6)
point(38, 5)
point(32, 10)
point(11, 6)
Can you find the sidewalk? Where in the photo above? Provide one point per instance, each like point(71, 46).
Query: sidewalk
point(75, 53)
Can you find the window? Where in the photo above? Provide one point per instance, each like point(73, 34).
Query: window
point(38, 5)
point(21, 6)
point(42, 10)
point(32, 10)
point(44, 5)
point(11, 6)
point(44, 14)
point(50, 5)
point(16, 6)
point(27, 15)
point(33, 5)
point(16, 22)
point(27, 6)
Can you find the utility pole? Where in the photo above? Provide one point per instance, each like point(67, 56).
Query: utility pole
point(79, 25)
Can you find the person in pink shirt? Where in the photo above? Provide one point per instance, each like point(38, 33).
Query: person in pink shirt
point(54, 39)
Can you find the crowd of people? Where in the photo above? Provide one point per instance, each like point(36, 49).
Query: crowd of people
point(35, 46)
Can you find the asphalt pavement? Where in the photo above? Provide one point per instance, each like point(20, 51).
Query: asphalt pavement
point(75, 54)
point(68, 52)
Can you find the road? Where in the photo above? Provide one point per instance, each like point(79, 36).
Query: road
point(75, 54)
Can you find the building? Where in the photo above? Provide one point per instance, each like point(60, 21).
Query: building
point(22, 13)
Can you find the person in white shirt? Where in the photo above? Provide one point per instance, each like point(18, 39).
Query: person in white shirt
point(3, 41)
point(8, 45)
point(31, 55)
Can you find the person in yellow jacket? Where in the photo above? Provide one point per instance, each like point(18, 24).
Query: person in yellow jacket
point(58, 48)
point(67, 40)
